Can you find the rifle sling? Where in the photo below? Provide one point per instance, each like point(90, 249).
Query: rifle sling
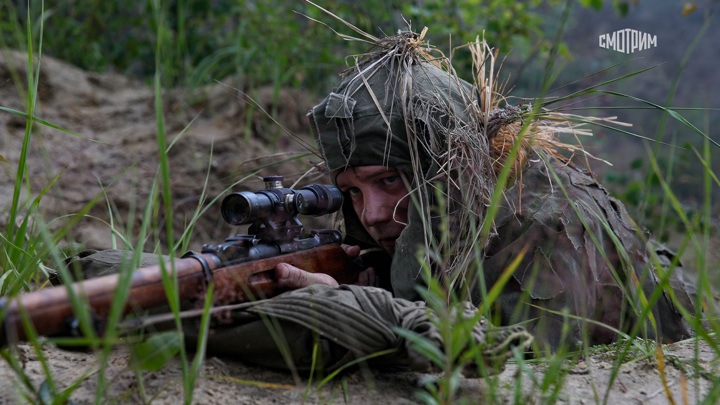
point(207, 270)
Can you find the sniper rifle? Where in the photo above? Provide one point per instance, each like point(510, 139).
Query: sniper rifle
point(240, 269)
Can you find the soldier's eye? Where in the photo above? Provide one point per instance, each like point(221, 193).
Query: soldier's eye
point(353, 190)
point(390, 179)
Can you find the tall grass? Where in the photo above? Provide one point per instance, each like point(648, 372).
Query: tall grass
point(28, 245)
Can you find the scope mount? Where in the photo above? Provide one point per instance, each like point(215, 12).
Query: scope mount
point(283, 225)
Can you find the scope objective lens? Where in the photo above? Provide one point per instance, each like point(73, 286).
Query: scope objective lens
point(245, 207)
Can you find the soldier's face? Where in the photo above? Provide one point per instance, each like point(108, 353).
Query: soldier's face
point(380, 200)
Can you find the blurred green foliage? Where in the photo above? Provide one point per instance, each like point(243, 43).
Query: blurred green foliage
point(276, 42)
point(259, 41)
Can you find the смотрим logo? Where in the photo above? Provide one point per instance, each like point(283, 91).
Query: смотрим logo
point(627, 41)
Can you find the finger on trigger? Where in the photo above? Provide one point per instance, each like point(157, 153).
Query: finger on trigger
point(351, 250)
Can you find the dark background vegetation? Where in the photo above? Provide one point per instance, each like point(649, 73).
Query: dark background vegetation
point(270, 42)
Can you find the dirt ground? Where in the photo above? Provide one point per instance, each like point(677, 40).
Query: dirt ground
point(222, 381)
point(116, 146)
point(115, 120)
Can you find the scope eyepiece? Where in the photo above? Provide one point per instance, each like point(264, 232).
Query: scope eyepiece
point(318, 199)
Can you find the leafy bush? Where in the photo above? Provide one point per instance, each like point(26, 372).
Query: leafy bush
point(260, 41)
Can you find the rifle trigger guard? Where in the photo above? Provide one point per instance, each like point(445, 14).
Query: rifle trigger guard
point(205, 266)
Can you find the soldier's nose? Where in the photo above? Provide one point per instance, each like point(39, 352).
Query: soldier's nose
point(375, 212)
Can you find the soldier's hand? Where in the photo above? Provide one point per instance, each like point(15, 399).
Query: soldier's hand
point(289, 276)
point(367, 277)
point(351, 250)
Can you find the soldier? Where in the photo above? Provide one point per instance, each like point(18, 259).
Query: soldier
point(418, 154)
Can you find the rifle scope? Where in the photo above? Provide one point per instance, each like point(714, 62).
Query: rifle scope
point(246, 207)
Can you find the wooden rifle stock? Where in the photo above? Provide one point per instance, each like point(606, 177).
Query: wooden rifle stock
point(49, 309)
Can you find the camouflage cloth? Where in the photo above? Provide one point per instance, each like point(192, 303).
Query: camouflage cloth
point(349, 323)
point(400, 109)
point(580, 249)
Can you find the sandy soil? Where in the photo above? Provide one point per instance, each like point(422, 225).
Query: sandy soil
point(221, 381)
point(116, 146)
point(118, 115)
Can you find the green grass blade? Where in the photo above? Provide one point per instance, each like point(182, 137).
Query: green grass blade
point(672, 113)
point(202, 340)
point(589, 90)
point(43, 122)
